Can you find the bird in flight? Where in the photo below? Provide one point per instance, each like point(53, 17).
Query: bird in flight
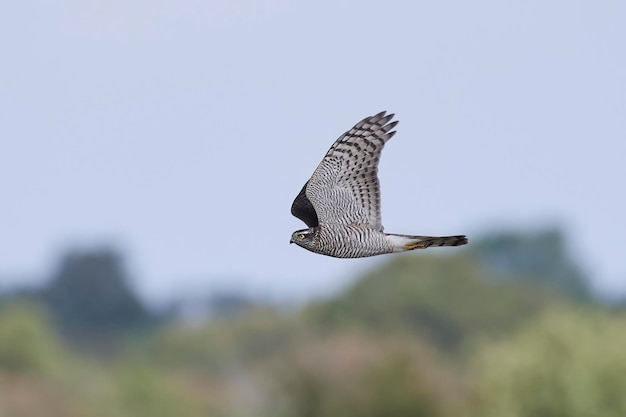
point(340, 203)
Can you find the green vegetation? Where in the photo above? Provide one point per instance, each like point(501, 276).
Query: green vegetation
point(446, 300)
point(568, 363)
point(27, 342)
point(499, 330)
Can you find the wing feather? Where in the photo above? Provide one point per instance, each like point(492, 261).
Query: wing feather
point(303, 209)
point(344, 188)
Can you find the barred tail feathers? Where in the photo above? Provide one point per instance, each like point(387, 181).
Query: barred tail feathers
point(402, 243)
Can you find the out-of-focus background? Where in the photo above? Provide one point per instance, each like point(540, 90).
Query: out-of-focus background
point(149, 154)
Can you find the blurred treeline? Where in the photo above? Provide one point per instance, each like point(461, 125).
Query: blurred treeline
point(505, 327)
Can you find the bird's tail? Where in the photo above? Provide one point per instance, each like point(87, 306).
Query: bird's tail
point(402, 243)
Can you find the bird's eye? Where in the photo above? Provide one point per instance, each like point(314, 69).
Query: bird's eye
point(301, 236)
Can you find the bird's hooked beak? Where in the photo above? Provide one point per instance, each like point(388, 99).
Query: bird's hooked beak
point(290, 240)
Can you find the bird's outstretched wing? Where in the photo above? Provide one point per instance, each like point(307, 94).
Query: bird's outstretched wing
point(344, 189)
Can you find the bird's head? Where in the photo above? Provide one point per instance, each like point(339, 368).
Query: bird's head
point(304, 238)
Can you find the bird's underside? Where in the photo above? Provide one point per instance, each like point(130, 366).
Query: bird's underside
point(340, 203)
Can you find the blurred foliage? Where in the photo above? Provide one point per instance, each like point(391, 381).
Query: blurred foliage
point(356, 375)
point(214, 347)
point(569, 363)
point(27, 342)
point(446, 299)
point(541, 256)
point(91, 300)
point(143, 391)
point(506, 327)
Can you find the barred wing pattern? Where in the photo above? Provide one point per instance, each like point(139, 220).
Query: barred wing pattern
point(344, 189)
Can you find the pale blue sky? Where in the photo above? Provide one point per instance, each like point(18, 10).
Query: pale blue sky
point(182, 130)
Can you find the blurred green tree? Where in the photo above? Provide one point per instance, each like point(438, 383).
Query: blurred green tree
point(446, 299)
point(566, 364)
point(90, 298)
point(360, 376)
point(143, 391)
point(541, 256)
point(27, 344)
point(220, 343)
